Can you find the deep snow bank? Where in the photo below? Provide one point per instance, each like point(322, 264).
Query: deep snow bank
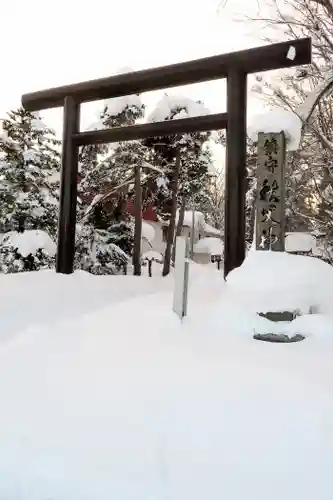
point(275, 281)
point(128, 401)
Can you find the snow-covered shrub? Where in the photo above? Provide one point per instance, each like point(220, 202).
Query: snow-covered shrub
point(26, 251)
point(97, 254)
point(122, 235)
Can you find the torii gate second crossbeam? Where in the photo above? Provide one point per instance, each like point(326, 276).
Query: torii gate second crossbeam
point(234, 66)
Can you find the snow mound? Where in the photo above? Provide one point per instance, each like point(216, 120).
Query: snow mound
point(213, 246)
point(276, 281)
point(275, 121)
point(299, 242)
point(176, 107)
point(29, 242)
point(131, 401)
point(148, 231)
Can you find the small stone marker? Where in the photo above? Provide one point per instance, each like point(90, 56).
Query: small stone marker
point(270, 219)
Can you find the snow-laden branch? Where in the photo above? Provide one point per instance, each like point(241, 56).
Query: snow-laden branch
point(152, 167)
point(101, 198)
point(109, 157)
point(293, 122)
point(305, 110)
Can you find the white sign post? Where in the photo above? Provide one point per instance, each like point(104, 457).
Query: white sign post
point(181, 275)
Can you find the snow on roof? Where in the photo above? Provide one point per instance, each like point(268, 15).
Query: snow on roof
point(210, 245)
point(152, 255)
point(199, 218)
point(275, 121)
point(212, 230)
point(299, 242)
point(148, 231)
point(199, 222)
point(29, 242)
point(278, 281)
point(186, 107)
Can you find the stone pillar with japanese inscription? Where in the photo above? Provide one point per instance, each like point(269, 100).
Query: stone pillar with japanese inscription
point(270, 217)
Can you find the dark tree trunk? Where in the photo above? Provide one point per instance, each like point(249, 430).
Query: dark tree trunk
point(172, 223)
point(138, 221)
point(179, 228)
point(150, 264)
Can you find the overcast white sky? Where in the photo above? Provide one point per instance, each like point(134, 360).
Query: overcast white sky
point(39, 36)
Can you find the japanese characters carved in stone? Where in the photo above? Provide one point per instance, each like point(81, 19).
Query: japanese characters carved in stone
point(270, 219)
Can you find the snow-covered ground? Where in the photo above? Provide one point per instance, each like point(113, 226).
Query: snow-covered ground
point(106, 394)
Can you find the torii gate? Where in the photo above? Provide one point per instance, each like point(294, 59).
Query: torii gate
point(234, 66)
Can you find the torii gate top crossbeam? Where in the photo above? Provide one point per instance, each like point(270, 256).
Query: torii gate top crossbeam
point(211, 68)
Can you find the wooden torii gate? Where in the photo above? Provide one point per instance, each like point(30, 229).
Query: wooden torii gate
point(234, 66)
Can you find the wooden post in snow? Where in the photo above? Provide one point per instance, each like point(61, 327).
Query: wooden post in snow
point(270, 216)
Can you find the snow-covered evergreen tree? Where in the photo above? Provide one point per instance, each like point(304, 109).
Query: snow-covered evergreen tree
point(103, 167)
point(184, 159)
point(29, 160)
point(109, 170)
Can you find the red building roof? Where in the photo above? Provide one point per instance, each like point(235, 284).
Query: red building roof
point(148, 212)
